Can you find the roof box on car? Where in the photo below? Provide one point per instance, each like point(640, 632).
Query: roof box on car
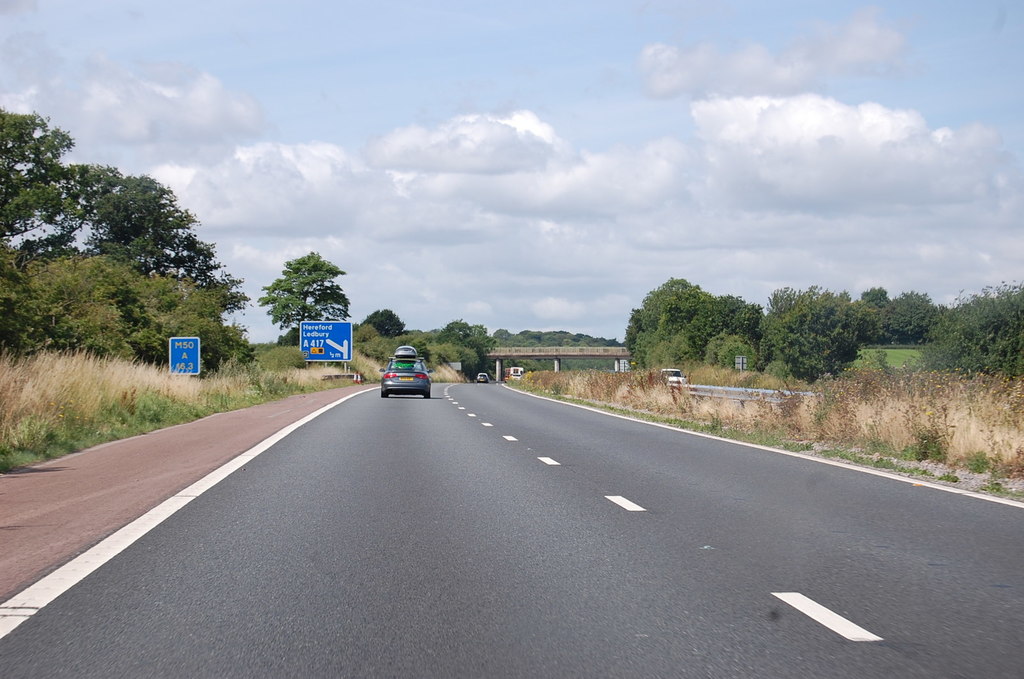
point(405, 352)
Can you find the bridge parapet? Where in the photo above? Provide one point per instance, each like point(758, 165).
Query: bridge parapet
point(556, 354)
point(559, 352)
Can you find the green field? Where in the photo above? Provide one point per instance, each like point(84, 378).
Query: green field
point(895, 358)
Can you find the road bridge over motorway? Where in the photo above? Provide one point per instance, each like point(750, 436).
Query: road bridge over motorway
point(500, 354)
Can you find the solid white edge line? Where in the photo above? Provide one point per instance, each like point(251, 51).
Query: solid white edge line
point(824, 616)
point(549, 461)
point(790, 453)
point(625, 504)
point(33, 598)
point(510, 438)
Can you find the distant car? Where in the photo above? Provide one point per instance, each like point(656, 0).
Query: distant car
point(483, 377)
point(405, 374)
point(673, 377)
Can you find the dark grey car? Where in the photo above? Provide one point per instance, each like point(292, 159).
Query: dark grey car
point(405, 376)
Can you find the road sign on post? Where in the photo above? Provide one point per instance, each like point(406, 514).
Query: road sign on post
point(326, 340)
point(184, 355)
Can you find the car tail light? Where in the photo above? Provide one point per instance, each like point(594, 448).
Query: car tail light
point(421, 376)
point(389, 376)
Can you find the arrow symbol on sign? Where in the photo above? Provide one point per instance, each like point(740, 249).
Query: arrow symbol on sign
point(343, 347)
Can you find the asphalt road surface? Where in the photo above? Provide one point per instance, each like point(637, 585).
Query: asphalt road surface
point(488, 533)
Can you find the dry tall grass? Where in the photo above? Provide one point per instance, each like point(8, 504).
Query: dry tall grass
point(935, 416)
point(445, 373)
point(54, 403)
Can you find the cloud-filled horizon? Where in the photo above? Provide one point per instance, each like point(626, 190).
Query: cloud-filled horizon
point(546, 168)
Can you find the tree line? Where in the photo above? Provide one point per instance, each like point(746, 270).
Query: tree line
point(808, 334)
point(92, 259)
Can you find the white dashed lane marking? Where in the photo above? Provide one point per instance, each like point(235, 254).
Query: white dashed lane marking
point(805, 605)
point(625, 504)
point(824, 616)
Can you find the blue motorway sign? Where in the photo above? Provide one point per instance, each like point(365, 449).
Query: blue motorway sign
point(184, 355)
point(326, 340)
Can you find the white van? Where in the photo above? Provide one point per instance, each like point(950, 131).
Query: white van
point(673, 377)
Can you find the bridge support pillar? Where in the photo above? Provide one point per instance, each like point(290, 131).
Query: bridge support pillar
point(558, 364)
point(498, 373)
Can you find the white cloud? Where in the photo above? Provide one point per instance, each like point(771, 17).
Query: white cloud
point(301, 189)
point(551, 308)
point(165, 105)
point(586, 184)
point(479, 308)
point(816, 154)
point(862, 46)
point(470, 143)
point(18, 102)
point(157, 111)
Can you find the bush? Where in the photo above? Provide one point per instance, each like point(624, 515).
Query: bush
point(779, 370)
point(982, 333)
point(281, 358)
point(978, 462)
point(724, 348)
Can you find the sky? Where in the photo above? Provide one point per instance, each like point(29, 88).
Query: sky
point(544, 166)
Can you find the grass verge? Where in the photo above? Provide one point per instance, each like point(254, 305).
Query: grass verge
point(964, 432)
point(52, 404)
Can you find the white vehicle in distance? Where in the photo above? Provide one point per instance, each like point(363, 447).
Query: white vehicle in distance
point(673, 377)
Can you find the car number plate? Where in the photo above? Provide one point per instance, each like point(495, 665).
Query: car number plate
point(405, 379)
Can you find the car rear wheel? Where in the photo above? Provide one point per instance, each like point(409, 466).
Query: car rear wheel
point(426, 394)
point(383, 394)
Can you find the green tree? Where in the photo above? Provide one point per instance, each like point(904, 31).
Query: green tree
point(306, 291)
point(875, 303)
point(981, 333)
point(473, 338)
point(386, 322)
point(678, 320)
point(813, 332)
point(37, 191)
point(15, 322)
point(504, 337)
point(138, 220)
point(654, 322)
point(909, 318)
point(876, 298)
